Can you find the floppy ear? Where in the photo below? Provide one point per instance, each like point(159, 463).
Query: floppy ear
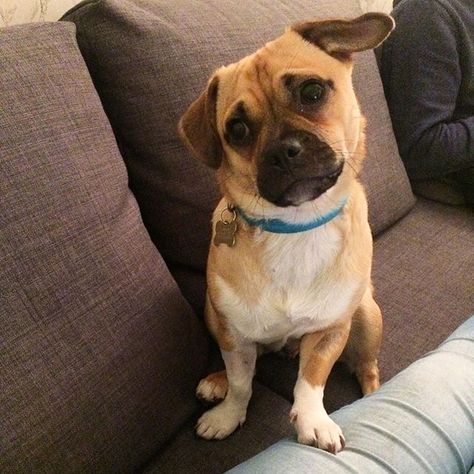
point(197, 127)
point(341, 38)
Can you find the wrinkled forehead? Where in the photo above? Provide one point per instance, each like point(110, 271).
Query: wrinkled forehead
point(257, 78)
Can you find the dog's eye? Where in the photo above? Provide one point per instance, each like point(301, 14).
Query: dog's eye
point(237, 130)
point(311, 92)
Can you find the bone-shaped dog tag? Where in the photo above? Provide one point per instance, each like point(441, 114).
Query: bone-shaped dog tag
point(226, 229)
point(225, 233)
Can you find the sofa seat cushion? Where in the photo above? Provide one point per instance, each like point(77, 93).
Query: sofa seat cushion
point(99, 351)
point(150, 59)
point(425, 286)
point(424, 280)
point(424, 283)
point(267, 422)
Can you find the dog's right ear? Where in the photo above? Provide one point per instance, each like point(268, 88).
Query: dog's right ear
point(198, 130)
point(341, 38)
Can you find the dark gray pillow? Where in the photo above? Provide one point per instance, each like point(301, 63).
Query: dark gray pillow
point(150, 59)
point(99, 351)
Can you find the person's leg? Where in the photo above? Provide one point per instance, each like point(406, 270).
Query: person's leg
point(422, 421)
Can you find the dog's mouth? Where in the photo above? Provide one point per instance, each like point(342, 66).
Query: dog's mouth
point(307, 189)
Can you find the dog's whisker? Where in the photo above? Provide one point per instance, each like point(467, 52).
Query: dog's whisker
point(349, 160)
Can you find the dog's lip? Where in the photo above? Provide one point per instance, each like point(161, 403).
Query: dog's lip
point(333, 175)
point(316, 185)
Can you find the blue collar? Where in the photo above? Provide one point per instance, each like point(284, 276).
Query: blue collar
point(277, 226)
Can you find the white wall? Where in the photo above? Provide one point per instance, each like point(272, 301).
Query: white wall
point(24, 11)
point(376, 5)
point(13, 12)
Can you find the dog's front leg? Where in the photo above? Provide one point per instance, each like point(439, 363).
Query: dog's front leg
point(222, 420)
point(318, 353)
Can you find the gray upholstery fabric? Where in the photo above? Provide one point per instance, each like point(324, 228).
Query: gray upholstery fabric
point(384, 177)
point(99, 352)
point(267, 422)
point(424, 283)
point(150, 59)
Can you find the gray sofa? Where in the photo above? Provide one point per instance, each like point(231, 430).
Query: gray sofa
point(104, 230)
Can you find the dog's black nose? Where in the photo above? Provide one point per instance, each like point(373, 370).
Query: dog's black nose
point(283, 153)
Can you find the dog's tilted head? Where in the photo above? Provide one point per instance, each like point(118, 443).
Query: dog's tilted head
point(283, 123)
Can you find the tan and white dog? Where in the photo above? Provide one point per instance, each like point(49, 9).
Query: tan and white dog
point(292, 249)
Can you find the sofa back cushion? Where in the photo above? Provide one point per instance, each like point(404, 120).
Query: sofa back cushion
point(99, 351)
point(150, 59)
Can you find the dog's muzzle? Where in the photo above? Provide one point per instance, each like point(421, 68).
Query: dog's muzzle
point(299, 167)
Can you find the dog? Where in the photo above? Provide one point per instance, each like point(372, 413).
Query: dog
point(290, 259)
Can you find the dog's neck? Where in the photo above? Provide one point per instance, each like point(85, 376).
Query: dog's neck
point(279, 226)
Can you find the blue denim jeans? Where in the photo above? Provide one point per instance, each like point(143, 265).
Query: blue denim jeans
point(421, 421)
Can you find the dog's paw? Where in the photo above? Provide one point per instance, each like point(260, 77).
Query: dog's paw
point(317, 429)
point(219, 422)
point(213, 388)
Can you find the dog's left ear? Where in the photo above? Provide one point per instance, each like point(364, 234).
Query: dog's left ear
point(341, 38)
point(197, 127)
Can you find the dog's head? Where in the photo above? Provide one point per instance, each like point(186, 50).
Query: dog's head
point(283, 123)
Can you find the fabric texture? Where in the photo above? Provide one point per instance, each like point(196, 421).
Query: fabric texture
point(150, 59)
point(422, 421)
point(424, 284)
point(423, 281)
point(99, 351)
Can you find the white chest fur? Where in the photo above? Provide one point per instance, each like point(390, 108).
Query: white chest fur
point(298, 285)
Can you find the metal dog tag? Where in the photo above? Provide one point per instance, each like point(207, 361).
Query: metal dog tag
point(226, 229)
